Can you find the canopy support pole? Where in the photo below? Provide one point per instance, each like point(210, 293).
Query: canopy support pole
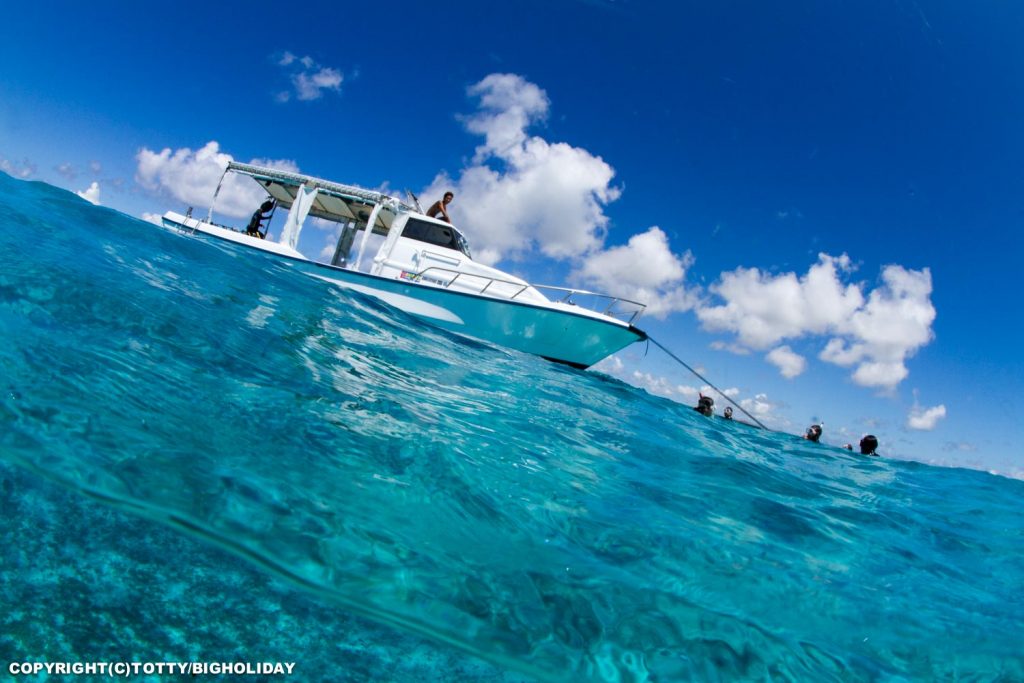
point(209, 214)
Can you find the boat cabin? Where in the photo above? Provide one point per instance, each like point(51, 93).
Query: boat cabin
point(415, 247)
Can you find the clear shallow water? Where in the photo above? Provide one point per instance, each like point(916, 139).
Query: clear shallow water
point(557, 524)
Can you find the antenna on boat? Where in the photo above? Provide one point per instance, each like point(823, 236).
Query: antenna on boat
point(705, 380)
point(415, 199)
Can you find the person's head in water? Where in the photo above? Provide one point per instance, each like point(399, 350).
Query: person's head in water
point(848, 447)
point(813, 433)
point(705, 405)
point(728, 413)
point(868, 445)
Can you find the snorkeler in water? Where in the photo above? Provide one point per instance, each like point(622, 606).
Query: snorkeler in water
point(705, 405)
point(813, 433)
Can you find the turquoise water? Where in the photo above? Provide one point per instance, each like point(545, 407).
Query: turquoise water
point(184, 425)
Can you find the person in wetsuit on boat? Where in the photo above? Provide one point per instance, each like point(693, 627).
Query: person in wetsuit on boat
point(441, 207)
point(261, 214)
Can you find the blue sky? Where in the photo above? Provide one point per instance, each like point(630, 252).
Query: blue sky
point(719, 137)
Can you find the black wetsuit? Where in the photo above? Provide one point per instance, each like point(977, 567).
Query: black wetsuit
point(254, 223)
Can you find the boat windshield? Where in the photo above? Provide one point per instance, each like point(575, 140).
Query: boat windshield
point(438, 235)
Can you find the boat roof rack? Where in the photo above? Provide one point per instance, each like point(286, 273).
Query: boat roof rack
point(334, 201)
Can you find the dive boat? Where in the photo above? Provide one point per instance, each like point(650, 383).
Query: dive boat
point(424, 267)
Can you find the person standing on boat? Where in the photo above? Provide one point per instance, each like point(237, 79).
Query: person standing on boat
point(441, 207)
point(261, 214)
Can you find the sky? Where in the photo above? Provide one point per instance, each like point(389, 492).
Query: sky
point(819, 202)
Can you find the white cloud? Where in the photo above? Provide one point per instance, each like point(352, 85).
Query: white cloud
point(154, 218)
point(612, 365)
point(925, 419)
point(91, 193)
point(522, 191)
point(643, 270)
point(737, 349)
point(895, 322)
point(877, 335)
point(67, 170)
point(660, 386)
point(309, 79)
point(192, 177)
point(311, 85)
point(764, 309)
point(761, 407)
point(24, 169)
point(789, 363)
point(95, 166)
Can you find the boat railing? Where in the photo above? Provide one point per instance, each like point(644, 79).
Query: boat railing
point(605, 304)
point(613, 306)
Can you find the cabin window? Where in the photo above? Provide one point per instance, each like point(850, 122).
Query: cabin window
point(438, 235)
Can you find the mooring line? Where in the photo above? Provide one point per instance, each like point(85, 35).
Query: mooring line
point(705, 380)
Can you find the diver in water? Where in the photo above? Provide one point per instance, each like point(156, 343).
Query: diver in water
point(813, 433)
point(848, 447)
point(728, 413)
point(868, 445)
point(705, 405)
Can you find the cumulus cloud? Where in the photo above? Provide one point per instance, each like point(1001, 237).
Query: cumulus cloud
point(925, 419)
point(789, 363)
point(192, 176)
point(22, 170)
point(764, 409)
point(522, 193)
point(875, 335)
point(738, 349)
point(643, 270)
point(660, 386)
point(764, 309)
point(891, 327)
point(67, 170)
point(91, 193)
point(153, 218)
point(612, 365)
point(309, 79)
point(681, 393)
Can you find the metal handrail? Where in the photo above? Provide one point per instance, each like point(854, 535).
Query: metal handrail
point(612, 300)
point(569, 292)
point(490, 280)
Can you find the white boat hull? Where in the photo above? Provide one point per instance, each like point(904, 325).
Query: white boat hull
point(578, 338)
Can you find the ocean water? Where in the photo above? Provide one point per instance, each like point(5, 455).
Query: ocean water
point(207, 455)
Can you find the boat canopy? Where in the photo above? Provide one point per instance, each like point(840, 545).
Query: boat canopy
point(333, 201)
